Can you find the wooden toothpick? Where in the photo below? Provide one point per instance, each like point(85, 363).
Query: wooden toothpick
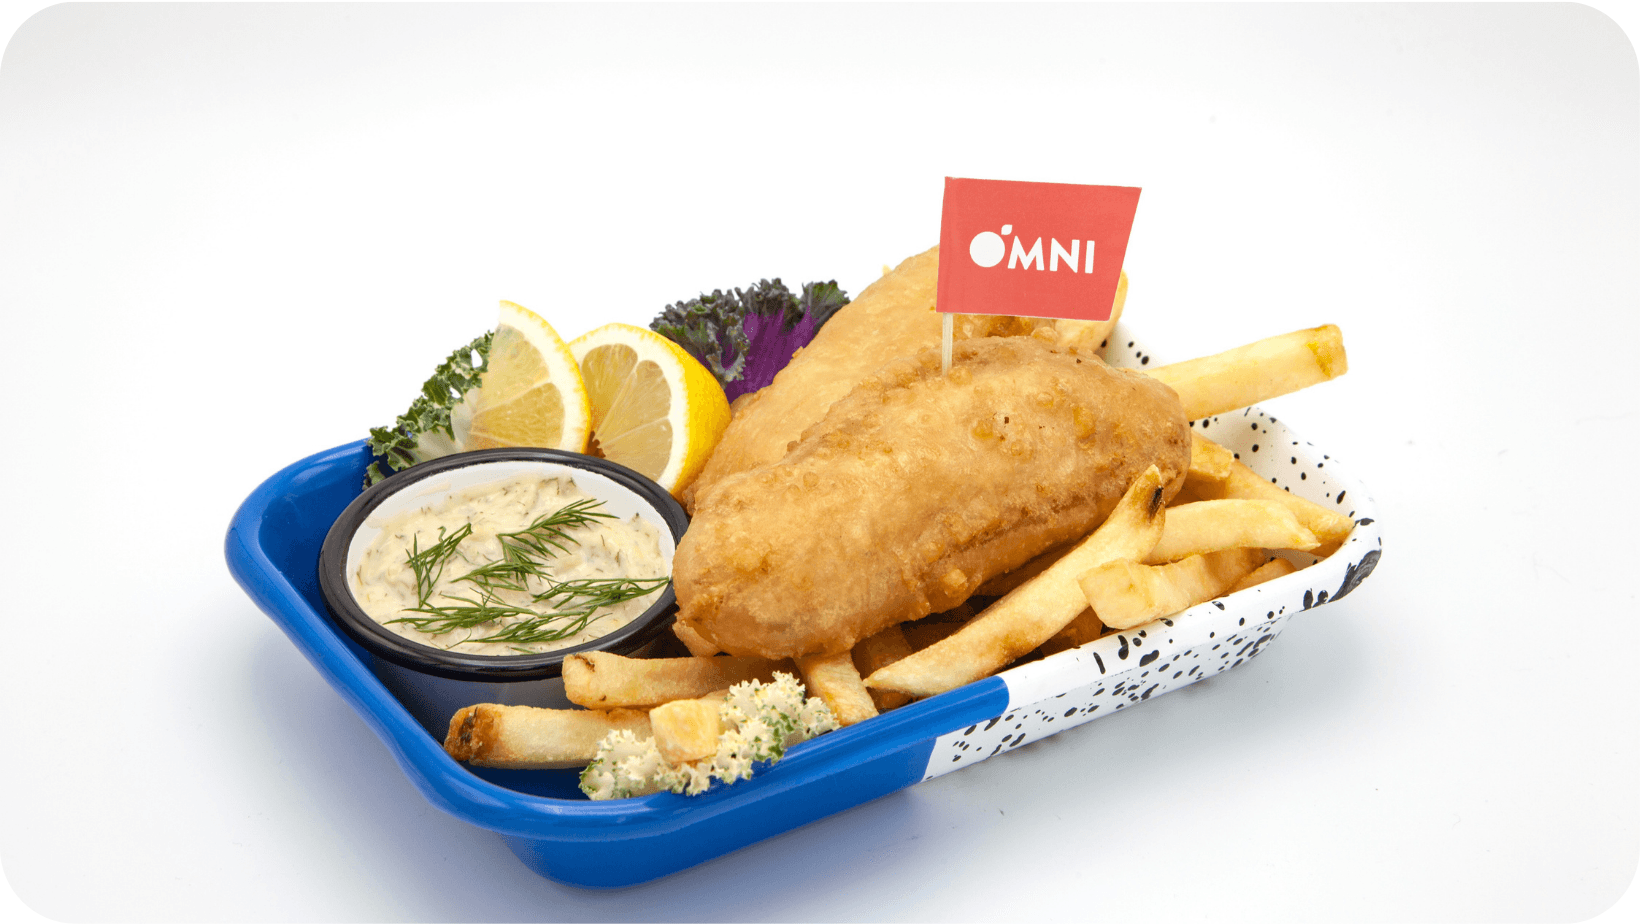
point(945, 344)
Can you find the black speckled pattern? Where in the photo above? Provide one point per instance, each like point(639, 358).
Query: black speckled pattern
point(1154, 666)
point(1125, 669)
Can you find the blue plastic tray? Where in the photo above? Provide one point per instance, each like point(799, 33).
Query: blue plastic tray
point(273, 550)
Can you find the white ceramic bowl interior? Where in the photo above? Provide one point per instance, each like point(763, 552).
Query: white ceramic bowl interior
point(617, 498)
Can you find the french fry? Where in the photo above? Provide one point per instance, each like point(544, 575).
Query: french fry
point(528, 738)
point(1258, 371)
point(600, 680)
point(1088, 337)
point(879, 651)
point(1209, 461)
point(1269, 571)
point(692, 640)
point(687, 729)
point(1086, 626)
point(1215, 525)
point(835, 680)
point(1329, 527)
point(1033, 613)
point(1126, 593)
point(1326, 549)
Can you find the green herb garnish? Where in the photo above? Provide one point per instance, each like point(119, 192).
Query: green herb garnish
point(428, 564)
point(560, 610)
point(545, 537)
point(424, 432)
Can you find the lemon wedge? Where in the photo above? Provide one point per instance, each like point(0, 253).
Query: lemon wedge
point(655, 408)
point(531, 392)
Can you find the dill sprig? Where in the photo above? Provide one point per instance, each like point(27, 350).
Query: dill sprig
point(561, 610)
point(596, 593)
point(438, 620)
point(578, 603)
point(546, 537)
point(525, 553)
point(428, 564)
point(501, 575)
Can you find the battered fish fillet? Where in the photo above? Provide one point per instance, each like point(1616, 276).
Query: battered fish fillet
point(893, 318)
point(915, 488)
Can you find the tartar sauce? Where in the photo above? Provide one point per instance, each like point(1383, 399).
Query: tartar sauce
point(385, 583)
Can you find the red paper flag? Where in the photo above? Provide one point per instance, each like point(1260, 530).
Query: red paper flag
point(1040, 250)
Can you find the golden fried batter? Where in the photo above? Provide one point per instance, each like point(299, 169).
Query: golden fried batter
point(915, 488)
point(894, 317)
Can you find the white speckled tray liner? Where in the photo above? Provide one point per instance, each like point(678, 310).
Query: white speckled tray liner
point(1127, 668)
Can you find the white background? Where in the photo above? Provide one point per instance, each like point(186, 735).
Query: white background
point(231, 236)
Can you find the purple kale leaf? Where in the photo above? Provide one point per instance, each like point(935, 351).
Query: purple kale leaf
point(745, 336)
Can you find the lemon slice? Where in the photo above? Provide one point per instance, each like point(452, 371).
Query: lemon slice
point(655, 408)
point(531, 393)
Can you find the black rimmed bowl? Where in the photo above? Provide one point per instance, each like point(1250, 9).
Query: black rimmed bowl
point(432, 683)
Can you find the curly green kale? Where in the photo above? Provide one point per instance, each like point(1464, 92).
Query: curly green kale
point(760, 721)
point(424, 431)
point(745, 336)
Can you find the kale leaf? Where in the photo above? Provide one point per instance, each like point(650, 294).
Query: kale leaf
point(745, 336)
point(416, 435)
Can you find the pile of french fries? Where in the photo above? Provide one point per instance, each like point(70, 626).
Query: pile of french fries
point(1147, 561)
